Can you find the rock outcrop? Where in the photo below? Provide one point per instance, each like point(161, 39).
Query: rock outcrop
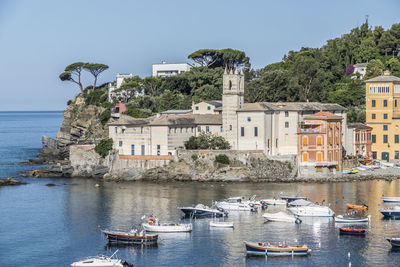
point(10, 181)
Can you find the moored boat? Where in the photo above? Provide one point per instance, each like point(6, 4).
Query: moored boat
point(258, 248)
point(239, 204)
point(392, 213)
point(130, 237)
point(281, 217)
point(394, 241)
point(221, 224)
point(362, 207)
point(273, 201)
point(102, 261)
point(351, 231)
point(391, 199)
point(312, 210)
point(352, 219)
point(201, 210)
point(292, 198)
point(153, 225)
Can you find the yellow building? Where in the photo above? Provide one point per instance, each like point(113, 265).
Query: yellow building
point(382, 95)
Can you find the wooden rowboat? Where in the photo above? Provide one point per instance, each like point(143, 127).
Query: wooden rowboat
point(254, 248)
point(132, 237)
point(357, 207)
point(351, 231)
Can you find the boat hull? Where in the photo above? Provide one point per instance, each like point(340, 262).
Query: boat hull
point(390, 213)
point(306, 211)
point(167, 228)
point(253, 248)
point(290, 199)
point(201, 213)
point(351, 220)
point(132, 239)
point(357, 232)
point(395, 242)
point(280, 217)
point(391, 199)
point(221, 224)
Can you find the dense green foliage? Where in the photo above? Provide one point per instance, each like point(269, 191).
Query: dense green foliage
point(207, 141)
point(222, 158)
point(105, 116)
point(104, 147)
point(226, 58)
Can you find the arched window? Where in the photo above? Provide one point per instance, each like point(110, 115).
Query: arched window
point(305, 156)
point(230, 85)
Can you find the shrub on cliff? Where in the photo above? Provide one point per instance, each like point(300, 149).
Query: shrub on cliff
point(105, 116)
point(207, 141)
point(96, 97)
point(222, 158)
point(104, 147)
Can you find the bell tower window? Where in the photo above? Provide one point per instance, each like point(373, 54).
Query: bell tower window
point(230, 85)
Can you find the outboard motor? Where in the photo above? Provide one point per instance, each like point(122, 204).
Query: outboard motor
point(264, 205)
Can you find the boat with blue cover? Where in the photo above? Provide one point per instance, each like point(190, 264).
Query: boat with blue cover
point(201, 210)
point(267, 249)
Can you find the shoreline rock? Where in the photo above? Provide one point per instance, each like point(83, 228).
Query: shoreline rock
point(10, 181)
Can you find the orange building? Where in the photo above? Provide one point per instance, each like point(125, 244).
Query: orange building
point(320, 144)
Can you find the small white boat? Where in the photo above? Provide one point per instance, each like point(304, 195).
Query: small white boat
point(239, 204)
point(281, 217)
point(393, 212)
point(221, 224)
point(102, 261)
point(391, 199)
point(273, 201)
point(312, 210)
point(344, 219)
point(299, 202)
point(153, 225)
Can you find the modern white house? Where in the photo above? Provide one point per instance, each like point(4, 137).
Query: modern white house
point(165, 69)
point(265, 127)
point(120, 79)
point(361, 69)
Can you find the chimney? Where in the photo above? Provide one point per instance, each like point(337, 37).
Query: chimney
point(386, 73)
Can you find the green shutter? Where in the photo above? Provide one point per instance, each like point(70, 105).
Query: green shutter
point(373, 138)
point(396, 138)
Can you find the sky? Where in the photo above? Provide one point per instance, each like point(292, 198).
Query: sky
point(38, 39)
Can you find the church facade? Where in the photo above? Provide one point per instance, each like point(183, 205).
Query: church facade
point(268, 127)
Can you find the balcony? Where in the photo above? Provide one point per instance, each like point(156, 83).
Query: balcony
point(310, 130)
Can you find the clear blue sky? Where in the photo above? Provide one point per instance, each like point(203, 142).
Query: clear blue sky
point(39, 38)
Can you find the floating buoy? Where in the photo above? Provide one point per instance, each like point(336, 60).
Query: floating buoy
point(349, 264)
point(348, 255)
point(98, 226)
point(379, 204)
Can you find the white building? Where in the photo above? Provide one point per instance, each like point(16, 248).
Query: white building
point(164, 69)
point(264, 126)
point(117, 84)
point(361, 69)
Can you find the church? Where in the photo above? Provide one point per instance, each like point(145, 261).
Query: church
point(267, 127)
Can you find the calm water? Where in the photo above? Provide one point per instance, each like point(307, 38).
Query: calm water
point(54, 226)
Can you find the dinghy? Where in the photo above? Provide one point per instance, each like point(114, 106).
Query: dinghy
point(281, 217)
point(391, 199)
point(131, 237)
point(394, 241)
point(101, 261)
point(350, 219)
point(254, 248)
point(221, 224)
point(362, 207)
point(153, 225)
point(351, 231)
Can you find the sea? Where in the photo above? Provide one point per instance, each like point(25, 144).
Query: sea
point(56, 225)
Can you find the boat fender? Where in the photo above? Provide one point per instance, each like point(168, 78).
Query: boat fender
point(298, 221)
point(152, 221)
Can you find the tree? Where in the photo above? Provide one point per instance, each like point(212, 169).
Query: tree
point(104, 147)
point(74, 69)
point(95, 69)
point(227, 58)
point(207, 141)
point(393, 65)
point(152, 85)
point(368, 49)
point(387, 43)
point(233, 58)
point(207, 57)
point(374, 68)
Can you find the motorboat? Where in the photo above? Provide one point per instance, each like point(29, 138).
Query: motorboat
point(394, 241)
point(153, 225)
point(201, 210)
point(391, 199)
point(292, 198)
point(273, 202)
point(351, 231)
point(393, 212)
point(312, 210)
point(239, 204)
point(349, 171)
point(362, 207)
point(221, 224)
point(130, 237)
point(258, 248)
point(281, 217)
point(299, 202)
point(102, 261)
point(352, 219)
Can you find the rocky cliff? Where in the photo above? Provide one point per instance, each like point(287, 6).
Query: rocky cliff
point(81, 125)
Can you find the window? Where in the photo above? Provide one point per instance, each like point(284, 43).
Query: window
point(396, 154)
point(330, 156)
point(385, 127)
point(158, 150)
point(319, 156)
point(305, 156)
point(276, 143)
point(286, 113)
point(319, 140)
point(305, 140)
point(396, 138)
point(357, 137)
point(369, 136)
point(268, 143)
point(132, 150)
point(385, 116)
point(363, 137)
point(230, 127)
point(241, 131)
point(395, 103)
point(209, 108)
point(373, 103)
point(141, 129)
point(248, 118)
point(199, 128)
point(221, 128)
point(207, 128)
point(116, 129)
point(286, 124)
point(385, 138)
point(255, 131)
point(143, 150)
point(120, 143)
point(230, 85)
point(373, 116)
point(197, 108)
point(373, 138)
point(385, 103)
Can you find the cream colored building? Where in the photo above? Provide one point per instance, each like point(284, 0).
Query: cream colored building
point(264, 126)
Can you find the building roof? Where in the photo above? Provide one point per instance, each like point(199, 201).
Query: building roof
point(323, 115)
point(177, 111)
point(216, 103)
point(210, 119)
point(384, 78)
point(360, 65)
point(291, 106)
point(187, 120)
point(358, 126)
point(128, 120)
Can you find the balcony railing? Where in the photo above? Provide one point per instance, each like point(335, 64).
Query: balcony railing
point(310, 130)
